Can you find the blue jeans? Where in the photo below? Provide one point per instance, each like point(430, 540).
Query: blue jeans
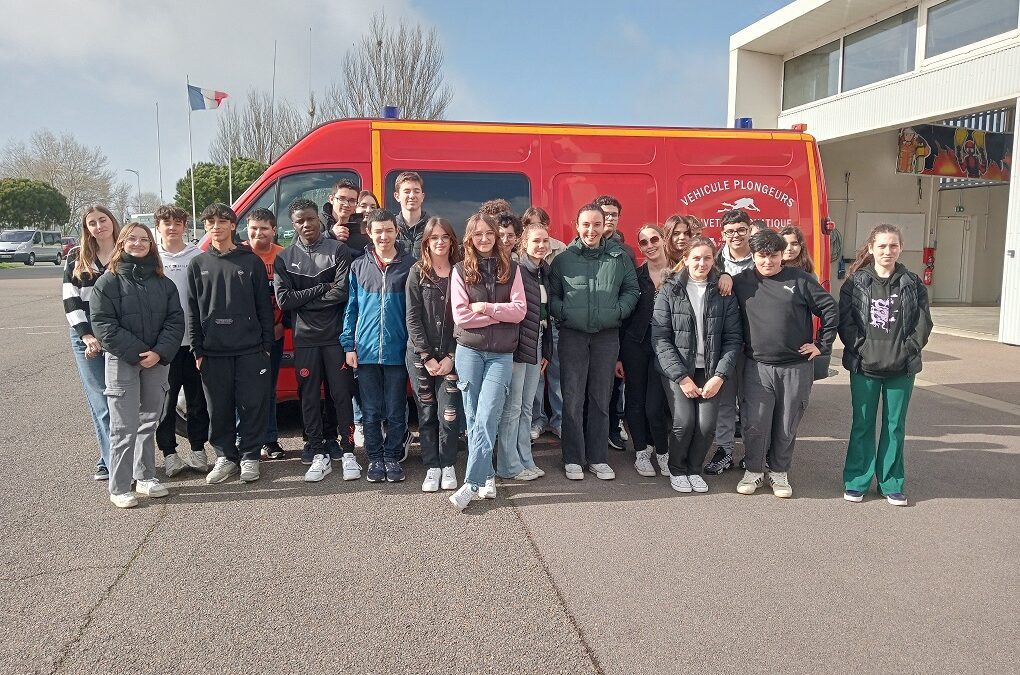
point(383, 396)
point(93, 378)
point(552, 377)
point(513, 449)
point(484, 381)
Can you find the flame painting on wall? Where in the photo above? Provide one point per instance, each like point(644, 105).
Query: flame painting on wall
point(955, 152)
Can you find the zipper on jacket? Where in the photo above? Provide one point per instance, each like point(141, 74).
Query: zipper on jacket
point(382, 311)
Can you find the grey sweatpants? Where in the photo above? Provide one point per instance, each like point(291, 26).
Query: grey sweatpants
point(732, 391)
point(774, 400)
point(135, 396)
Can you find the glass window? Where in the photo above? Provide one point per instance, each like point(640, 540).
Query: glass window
point(38, 238)
point(880, 51)
point(811, 76)
point(18, 236)
point(958, 23)
point(314, 185)
point(51, 238)
point(456, 195)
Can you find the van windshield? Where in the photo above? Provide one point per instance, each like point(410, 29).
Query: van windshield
point(16, 235)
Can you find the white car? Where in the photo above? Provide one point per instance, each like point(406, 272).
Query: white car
point(29, 246)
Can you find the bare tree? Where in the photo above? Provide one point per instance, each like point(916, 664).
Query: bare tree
point(400, 66)
point(79, 172)
point(257, 129)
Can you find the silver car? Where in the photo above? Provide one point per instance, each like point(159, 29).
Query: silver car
point(29, 246)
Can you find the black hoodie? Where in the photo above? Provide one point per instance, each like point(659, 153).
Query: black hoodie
point(229, 306)
point(356, 242)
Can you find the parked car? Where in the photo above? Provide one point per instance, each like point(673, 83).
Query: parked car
point(28, 246)
point(69, 243)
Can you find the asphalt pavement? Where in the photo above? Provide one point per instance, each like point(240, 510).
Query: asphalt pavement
point(553, 576)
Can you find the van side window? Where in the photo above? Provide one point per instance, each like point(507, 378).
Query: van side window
point(314, 185)
point(456, 195)
point(37, 239)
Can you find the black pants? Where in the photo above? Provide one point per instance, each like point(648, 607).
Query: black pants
point(693, 427)
point(587, 361)
point(183, 375)
point(313, 366)
point(237, 390)
point(644, 400)
point(439, 405)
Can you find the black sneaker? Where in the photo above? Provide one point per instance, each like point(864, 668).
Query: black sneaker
point(272, 451)
point(615, 439)
point(722, 460)
point(376, 471)
point(332, 448)
point(394, 472)
point(308, 454)
point(102, 473)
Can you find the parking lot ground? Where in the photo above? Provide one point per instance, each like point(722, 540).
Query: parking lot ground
point(553, 576)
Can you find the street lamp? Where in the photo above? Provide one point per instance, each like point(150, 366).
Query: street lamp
point(138, 178)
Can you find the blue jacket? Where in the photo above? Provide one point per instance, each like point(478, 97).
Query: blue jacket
point(374, 322)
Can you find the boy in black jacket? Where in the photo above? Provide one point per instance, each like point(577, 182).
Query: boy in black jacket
point(777, 304)
point(231, 326)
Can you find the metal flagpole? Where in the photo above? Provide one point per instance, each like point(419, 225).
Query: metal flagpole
point(191, 154)
point(230, 159)
point(272, 108)
point(159, 157)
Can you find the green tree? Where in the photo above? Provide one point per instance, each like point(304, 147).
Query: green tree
point(211, 182)
point(31, 203)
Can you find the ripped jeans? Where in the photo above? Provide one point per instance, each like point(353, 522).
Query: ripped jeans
point(484, 382)
point(438, 401)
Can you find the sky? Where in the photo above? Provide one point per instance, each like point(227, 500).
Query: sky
point(98, 69)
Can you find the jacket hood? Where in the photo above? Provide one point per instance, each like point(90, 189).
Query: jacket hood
point(898, 272)
point(188, 250)
point(725, 254)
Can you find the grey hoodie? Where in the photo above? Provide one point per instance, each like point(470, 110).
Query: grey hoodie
point(175, 267)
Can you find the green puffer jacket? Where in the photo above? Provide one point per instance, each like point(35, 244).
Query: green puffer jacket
point(592, 289)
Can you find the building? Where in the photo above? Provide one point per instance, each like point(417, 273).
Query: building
point(877, 82)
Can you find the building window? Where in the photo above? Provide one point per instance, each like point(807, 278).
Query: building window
point(811, 76)
point(958, 23)
point(880, 51)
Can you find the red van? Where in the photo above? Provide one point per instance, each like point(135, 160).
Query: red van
point(654, 172)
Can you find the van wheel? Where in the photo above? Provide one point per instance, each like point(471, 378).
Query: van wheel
point(31, 259)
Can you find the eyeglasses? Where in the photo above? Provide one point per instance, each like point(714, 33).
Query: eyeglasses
point(651, 241)
point(483, 235)
point(729, 234)
point(346, 200)
point(440, 239)
point(610, 216)
point(138, 240)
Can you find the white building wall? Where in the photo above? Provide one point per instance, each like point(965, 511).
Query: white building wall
point(1009, 317)
point(759, 94)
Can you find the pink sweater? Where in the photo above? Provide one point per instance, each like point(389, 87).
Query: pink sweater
point(494, 312)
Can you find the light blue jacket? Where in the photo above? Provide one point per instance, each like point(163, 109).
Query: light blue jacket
point(375, 324)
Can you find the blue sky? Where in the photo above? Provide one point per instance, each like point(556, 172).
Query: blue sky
point(97, 69)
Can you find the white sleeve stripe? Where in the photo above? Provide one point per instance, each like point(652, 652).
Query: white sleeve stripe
point(71, 291)
point(76, 317)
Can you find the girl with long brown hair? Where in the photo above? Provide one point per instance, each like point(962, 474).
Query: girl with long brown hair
point(487, 295)
point(137, 316)
point(795, 254)
point(884, 323)
point(430, 353)
point(678, 228)
point(84, 264)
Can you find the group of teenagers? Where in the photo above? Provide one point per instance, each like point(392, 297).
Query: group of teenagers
point(699, 343)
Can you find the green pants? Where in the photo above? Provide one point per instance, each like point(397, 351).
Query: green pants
point(864, 461)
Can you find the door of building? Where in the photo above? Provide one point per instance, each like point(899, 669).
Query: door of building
point(953, 239)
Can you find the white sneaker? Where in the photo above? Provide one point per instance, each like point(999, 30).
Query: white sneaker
point(320, 468)
point(663, 462)
point(449, 478)
point(462, 497)
point(680, 483)
point(173, 465)
point(197, 460)
point(535, 470)
point(526, 474)
point(643, 463)
point(432, 478)
point(602, 471)
point(535, 433)
point(222, 470)
point(751, 481)
point(359, 435)
point(124, 501)
point(574, 471)
point(698, 483)
point(780, 484)
point(623, 432)
point(151, 488)
point(488, 491)
point(352, 470)
point(250, 470)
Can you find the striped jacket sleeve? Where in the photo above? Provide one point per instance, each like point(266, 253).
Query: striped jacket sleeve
point(77, 294)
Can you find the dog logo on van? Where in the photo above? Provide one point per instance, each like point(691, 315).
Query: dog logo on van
point(745, 203)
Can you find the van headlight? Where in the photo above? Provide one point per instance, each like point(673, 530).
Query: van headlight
point(24, 247)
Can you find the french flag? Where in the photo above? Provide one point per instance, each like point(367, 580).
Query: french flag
point(205, 99)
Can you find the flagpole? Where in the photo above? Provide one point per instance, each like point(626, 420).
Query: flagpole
point(230, 159)
point(159, 157)
point(191, 154)
point(272, 108)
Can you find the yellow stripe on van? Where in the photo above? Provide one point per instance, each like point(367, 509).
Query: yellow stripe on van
point(816, 224)
point(377, 168)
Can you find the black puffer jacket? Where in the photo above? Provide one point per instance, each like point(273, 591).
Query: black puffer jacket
point(674, 330)
point(899, 352)
point(429, 315)
point(635, 327)
point(533, 276)
point(136, 311)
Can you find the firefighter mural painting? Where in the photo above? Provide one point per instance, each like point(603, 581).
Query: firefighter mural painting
point(954, 152)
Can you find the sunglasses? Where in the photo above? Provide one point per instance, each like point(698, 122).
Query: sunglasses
point(651, 241)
